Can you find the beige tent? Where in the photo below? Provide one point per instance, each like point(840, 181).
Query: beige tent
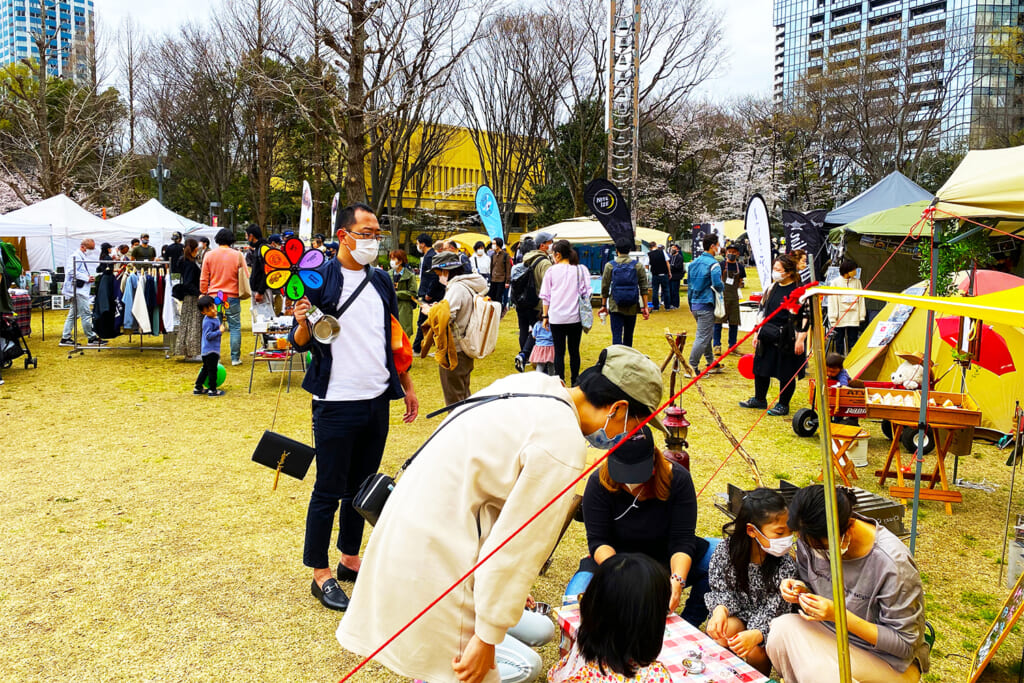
point(589, 231)
point(988, 182)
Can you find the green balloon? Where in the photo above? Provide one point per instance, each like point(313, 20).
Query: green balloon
point(222, 374)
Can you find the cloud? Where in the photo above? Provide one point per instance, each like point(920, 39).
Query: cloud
point(748, 35)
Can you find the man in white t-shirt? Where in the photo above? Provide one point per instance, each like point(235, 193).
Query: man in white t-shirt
point(353, 380)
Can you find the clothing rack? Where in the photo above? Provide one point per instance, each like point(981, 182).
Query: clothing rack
point(161, 269)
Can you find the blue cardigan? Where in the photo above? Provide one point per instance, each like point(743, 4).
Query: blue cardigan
point(318, 374)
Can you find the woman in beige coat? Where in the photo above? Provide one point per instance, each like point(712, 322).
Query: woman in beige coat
point(465, 493)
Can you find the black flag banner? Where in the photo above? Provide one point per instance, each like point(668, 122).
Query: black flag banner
point(606, 203)
point(807, 232)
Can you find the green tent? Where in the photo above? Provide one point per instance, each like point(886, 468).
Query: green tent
point(890, 222)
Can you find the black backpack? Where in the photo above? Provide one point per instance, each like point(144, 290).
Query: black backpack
point(524, 288)
point(625, 289)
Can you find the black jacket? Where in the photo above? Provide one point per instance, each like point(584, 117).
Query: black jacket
point(189, 285)
point(431, 289)
point(257, 276)
point(678, 264)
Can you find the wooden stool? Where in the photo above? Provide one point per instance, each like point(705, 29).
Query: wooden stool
point(904, 493)
point(844, 436)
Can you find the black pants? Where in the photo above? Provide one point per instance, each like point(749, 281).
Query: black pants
point(350, 438)
point(571, 333)
point(208, 373)
point(418, 342)
point(761, 385)
point(526, 321)
point(845, 338)
point(496, 291)
point(622, 328)
point(673, 293)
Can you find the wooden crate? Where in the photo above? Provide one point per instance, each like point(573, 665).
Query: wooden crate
point(966, 415)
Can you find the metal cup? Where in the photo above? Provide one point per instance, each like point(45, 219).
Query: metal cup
point(325, 327)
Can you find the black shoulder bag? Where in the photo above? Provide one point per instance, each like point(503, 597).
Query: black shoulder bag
point(374, 492)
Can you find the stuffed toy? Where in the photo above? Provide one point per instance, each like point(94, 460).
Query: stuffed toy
point(908, 375)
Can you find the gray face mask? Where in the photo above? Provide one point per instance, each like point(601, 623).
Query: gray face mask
point(600, 438)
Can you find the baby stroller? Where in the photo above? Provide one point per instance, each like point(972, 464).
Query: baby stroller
point(13, 343)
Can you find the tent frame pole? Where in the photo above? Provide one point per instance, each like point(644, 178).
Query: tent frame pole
point(828, 481)
point(922, 415)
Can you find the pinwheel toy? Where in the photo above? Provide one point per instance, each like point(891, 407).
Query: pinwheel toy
point(292, 270)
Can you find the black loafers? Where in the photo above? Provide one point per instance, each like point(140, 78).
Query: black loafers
point(346, 574)
point(330, 595)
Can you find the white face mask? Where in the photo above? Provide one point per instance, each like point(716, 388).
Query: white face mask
point(365, 252)
point(479, 252)
point(394, 264)
point(776, 546)
point(777, 276)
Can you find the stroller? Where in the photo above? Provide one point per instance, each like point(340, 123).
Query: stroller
point(13, 343)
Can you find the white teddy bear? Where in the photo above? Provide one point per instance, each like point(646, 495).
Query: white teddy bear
point(908, 375)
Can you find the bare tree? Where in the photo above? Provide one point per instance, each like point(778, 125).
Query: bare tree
point(130, 59)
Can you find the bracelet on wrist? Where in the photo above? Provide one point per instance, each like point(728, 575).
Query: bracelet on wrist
point(679, 579)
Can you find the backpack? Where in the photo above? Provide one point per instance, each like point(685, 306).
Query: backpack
point(10, 261)
point(524, 290)
point(481, 334)
point(625, 289)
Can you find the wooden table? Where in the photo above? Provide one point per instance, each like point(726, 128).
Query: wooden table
point(681, 638)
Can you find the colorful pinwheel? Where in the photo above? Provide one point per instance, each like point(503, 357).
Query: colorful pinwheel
point(292, 269)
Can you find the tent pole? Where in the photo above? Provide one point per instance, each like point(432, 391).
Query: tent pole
point(922, 415)
point(817, 336)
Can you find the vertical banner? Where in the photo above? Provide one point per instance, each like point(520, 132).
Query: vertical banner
point(697, 234)
point(755, 221)
point(306, 215)
point(607, 204)
point(490, 214)
point(806, 231)
point(334, 214)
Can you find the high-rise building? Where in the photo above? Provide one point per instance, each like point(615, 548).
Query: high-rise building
point(943, 49)
point(67, 24)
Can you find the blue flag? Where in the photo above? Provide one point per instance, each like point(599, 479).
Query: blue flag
point(490, 214)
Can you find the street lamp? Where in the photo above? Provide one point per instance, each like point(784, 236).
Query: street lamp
point(160, 174)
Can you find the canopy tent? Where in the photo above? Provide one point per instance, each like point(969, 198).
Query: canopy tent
point(466, 240)
point(160, 222)
point(988, 182)
point(67, 224)
point(891, 191)
point(895, 222)
point(874, 357)
point(590, 231)
point(733, 229)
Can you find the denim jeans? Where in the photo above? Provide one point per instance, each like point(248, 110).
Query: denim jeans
point(233, 316)
point(659, 283)
point(349, 438)
point(694, 610)
point(673, 292)
point(622, 328)
point(702, 340)
point(82, 304)
point(733, 334)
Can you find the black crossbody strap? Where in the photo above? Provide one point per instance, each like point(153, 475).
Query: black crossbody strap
point(472, 402)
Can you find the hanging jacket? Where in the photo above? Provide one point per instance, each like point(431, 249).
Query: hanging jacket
point(130, 283)
point(439, 330)
point(140, 311)
point(105, 307)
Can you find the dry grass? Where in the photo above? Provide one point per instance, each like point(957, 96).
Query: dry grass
point(141, 544)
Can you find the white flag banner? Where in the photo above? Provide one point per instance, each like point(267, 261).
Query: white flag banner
point(334, 214)
point(756, 225)
point(306, 216)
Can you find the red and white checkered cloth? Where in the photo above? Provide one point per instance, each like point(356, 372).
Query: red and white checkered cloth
point(722, 666)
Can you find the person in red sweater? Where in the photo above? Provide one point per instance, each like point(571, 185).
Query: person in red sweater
point(220, 276)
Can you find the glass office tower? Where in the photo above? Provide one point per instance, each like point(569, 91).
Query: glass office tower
point(68, 24)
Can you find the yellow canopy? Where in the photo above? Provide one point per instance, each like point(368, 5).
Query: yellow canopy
point(466, 240)
point(734, 229)
point(988, 182)
point(589, 231)
point(998, 307)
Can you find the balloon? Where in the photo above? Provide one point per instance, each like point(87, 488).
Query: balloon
point(222, 374)
point(746, 366)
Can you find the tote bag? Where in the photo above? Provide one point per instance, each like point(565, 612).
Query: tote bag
point(586, 310)
point(244, 290)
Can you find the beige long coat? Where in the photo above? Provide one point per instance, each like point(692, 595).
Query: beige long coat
point(480, 478)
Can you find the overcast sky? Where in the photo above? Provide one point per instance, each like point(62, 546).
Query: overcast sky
point(747, 27)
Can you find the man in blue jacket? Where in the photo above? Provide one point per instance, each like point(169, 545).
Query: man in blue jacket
point(353, 380)
point(704, 275)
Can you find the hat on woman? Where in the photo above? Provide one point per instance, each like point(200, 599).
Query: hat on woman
point(446, 260)
point(633, 461)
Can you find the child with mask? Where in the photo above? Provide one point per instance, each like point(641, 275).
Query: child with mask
point(744, 575)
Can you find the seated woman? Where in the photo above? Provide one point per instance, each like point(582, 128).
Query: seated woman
point(884, 600)
point(639, 502)
point(622, 625)
point(744, 575)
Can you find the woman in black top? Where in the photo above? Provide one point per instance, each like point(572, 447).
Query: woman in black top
point(656, 516)
point(780, 345)
point(106, 255)
point(190, 327)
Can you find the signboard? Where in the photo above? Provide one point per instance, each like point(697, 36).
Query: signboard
point(1001, 627)
point(756, 224)
point(887, 330)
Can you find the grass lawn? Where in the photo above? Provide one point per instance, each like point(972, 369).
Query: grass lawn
point(140, 543)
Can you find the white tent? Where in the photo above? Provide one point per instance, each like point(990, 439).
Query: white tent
point(160, 222)
point(68, 224)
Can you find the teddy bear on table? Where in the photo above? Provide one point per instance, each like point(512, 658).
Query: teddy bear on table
point(909, 374)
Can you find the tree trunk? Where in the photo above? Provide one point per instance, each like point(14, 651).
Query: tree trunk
point(353, 132)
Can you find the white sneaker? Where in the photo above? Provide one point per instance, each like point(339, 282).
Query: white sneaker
point(237, 361)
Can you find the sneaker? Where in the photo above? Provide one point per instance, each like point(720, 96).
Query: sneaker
point(66, 341)
point(755, 403)
point(717, 370)
point(215, 392)
point(199, 391)
point(97, 341)
point(779, 410)
point(718, 351)
point(520, 363)
point(236, 361)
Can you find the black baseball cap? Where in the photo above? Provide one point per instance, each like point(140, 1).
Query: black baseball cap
point(633, 461)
